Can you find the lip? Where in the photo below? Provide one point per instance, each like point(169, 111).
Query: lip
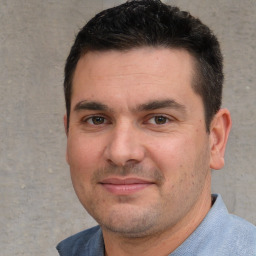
point(125, 186)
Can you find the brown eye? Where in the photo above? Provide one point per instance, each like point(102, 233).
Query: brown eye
point(96, 120)
point(160, 119)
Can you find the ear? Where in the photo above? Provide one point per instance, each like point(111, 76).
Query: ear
point(66, 130)
point(219, 131)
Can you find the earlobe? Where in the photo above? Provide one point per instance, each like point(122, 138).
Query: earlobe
point(219, 131)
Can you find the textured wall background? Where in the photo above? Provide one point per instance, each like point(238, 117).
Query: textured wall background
point(38, 205)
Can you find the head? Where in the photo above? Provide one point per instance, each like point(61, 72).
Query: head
point(141, 23)
point(143, 91)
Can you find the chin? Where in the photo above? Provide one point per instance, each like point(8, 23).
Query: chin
point(130, 222)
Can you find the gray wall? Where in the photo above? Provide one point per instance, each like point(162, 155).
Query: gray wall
point(38, 205)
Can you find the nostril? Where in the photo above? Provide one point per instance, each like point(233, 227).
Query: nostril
point(110, 162)
point(130, 163)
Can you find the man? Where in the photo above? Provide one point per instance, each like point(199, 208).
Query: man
point(144, 127)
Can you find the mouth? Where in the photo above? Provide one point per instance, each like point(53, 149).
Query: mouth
point(124, 186)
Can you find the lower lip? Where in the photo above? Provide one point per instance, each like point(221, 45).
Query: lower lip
point(125, 189)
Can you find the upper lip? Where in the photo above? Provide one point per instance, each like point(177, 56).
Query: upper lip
point(125, 181)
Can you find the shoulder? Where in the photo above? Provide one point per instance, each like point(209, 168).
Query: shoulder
point(220, 233)
point(240, 230)
point(85, 241)
point(232, 234)
point(232, 224)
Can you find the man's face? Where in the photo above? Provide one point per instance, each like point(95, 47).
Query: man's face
point(137, 147)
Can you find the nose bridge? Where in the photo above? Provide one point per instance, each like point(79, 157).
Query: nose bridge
point(124, 144)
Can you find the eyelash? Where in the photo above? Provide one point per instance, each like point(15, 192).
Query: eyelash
point(89, 120)
point(86, 120)
point(165, 119)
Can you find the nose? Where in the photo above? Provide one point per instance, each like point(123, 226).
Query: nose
point(124, 145)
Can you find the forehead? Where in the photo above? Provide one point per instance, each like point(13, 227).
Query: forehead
point(137, 74)
point(155, 60)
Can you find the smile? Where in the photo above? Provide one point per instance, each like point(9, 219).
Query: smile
point(126, 186)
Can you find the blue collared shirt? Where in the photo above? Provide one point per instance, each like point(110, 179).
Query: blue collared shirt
point(219, 234)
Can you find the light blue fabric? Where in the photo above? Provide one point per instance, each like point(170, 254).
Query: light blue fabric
point(219, 234)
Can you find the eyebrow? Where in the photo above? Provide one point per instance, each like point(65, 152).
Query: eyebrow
point(158, 104)
point(151, 105)
point(90, 105)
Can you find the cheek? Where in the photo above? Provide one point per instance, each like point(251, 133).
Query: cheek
point(83, 158)
point(172, 153)
point(83, 154)
point(179, 160)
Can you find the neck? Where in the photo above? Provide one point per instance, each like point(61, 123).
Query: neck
point(164, 243)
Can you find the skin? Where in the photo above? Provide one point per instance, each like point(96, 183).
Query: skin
point(135, 119)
